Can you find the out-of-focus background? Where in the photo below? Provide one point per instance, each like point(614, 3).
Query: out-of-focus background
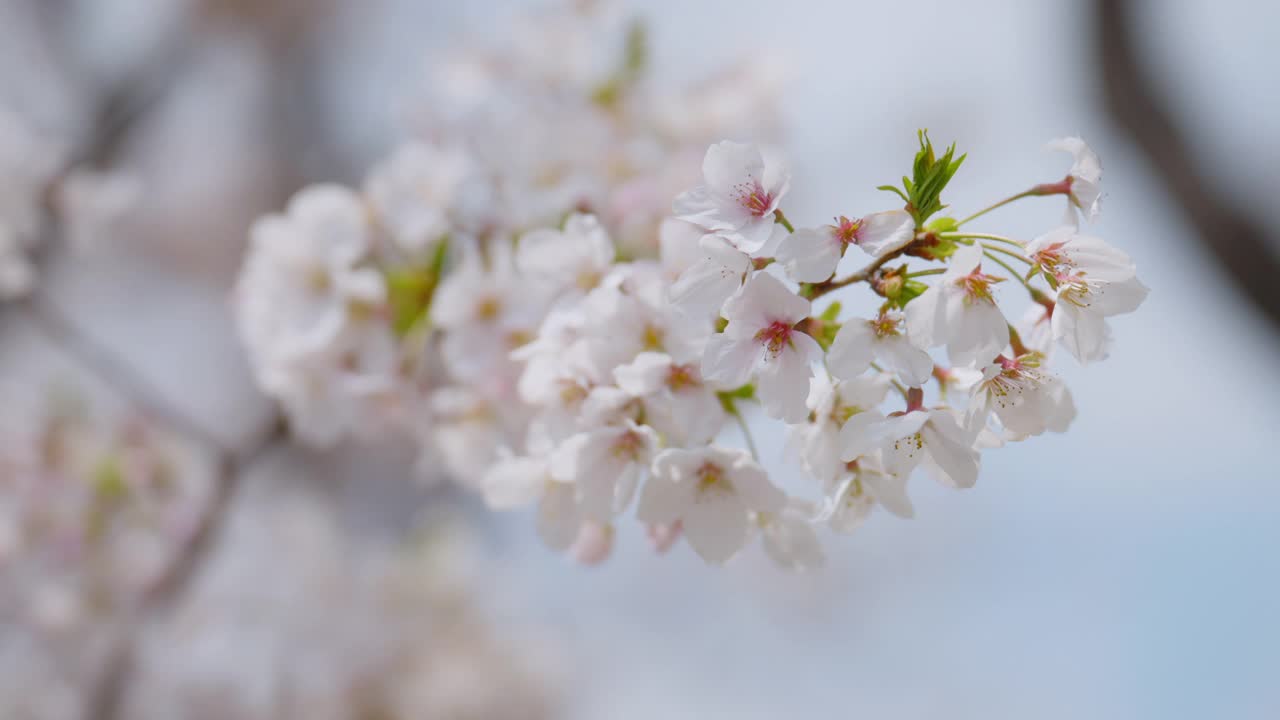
point(1126, 569)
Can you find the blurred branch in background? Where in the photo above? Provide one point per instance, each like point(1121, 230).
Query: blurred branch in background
point(1237, 240)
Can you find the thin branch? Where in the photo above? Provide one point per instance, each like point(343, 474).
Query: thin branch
point(817, 290)
point(1239, 241)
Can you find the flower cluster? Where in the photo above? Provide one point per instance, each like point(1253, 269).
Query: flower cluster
point(633, 380)
point(393, 309)
point(91, 515)
point(542, 311)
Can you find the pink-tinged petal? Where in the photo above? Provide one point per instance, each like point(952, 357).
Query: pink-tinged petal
point(762, 301)
point(594, 543)
point(1061, 407)
point(883, 232)
point(703, 288)
point(728, 163)
point(853, 349)
point(912, 365)
point(891, 492)
point(776, 177)
point(644, 375)
point(1098, 259)
point(558, 519)
point(751, 483)
point(663, 537)
point(751, 234)
point(514, 482)
point(966, 259)
point(979, 332)
point(926, 317)
point(678, 245)
point(1118, 298)
point(783, 381)
point(951, 448)
point(810, 254)
point(699, 207)
point(716, 526)
point(863, 433)
point(729, 362)
point(1084, 334)
point(678, 465)
point(663, 500)
point(697, 415)
point(792, 543)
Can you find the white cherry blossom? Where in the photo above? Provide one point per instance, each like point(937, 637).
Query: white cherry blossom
point(486, 309)
point(960, 312)
point(788, 537)
point(864, 485)
point(577, 257)
point(1094, 281)
point(1027, 400)
point(605, 465)
point(712, 491)
point(303, 282)
point(702, 289)
point(677, 402)
point(932, 437)
point(812, 254)
point(741, 188)
point(885, 340)
point(761, 342)
point(832, 405)
point(422, 192)
point(1084, 178)
point(518, 481)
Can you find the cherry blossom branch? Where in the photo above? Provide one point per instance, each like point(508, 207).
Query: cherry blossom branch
point(1242, 242)
point(124, 380)
point(103, 701)
point(817, 290)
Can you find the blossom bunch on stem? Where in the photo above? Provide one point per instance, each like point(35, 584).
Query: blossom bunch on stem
point(634, 382)
point(555, 337)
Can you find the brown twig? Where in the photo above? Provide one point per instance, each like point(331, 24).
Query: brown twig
point(817, 290)
point(1238, 241)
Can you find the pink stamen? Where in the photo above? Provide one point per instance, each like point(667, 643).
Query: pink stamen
point(775, 336)
point(977, 284)
point(847, 230)
point(752, 196)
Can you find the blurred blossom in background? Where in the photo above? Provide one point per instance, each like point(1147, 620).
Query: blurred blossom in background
point(168, 550)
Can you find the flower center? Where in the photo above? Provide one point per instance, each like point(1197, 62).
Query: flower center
point(711, 479)
point(587, 280)
point(681, 377)
point(488, 309)
point(1049, 257)
point(752, 196)
point(977, 285)
point(651, 339)
point(842, 413)
point(627, 446)
point(847, 230)
point(775, 336)
point(1074, 288)
point(886, 325)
